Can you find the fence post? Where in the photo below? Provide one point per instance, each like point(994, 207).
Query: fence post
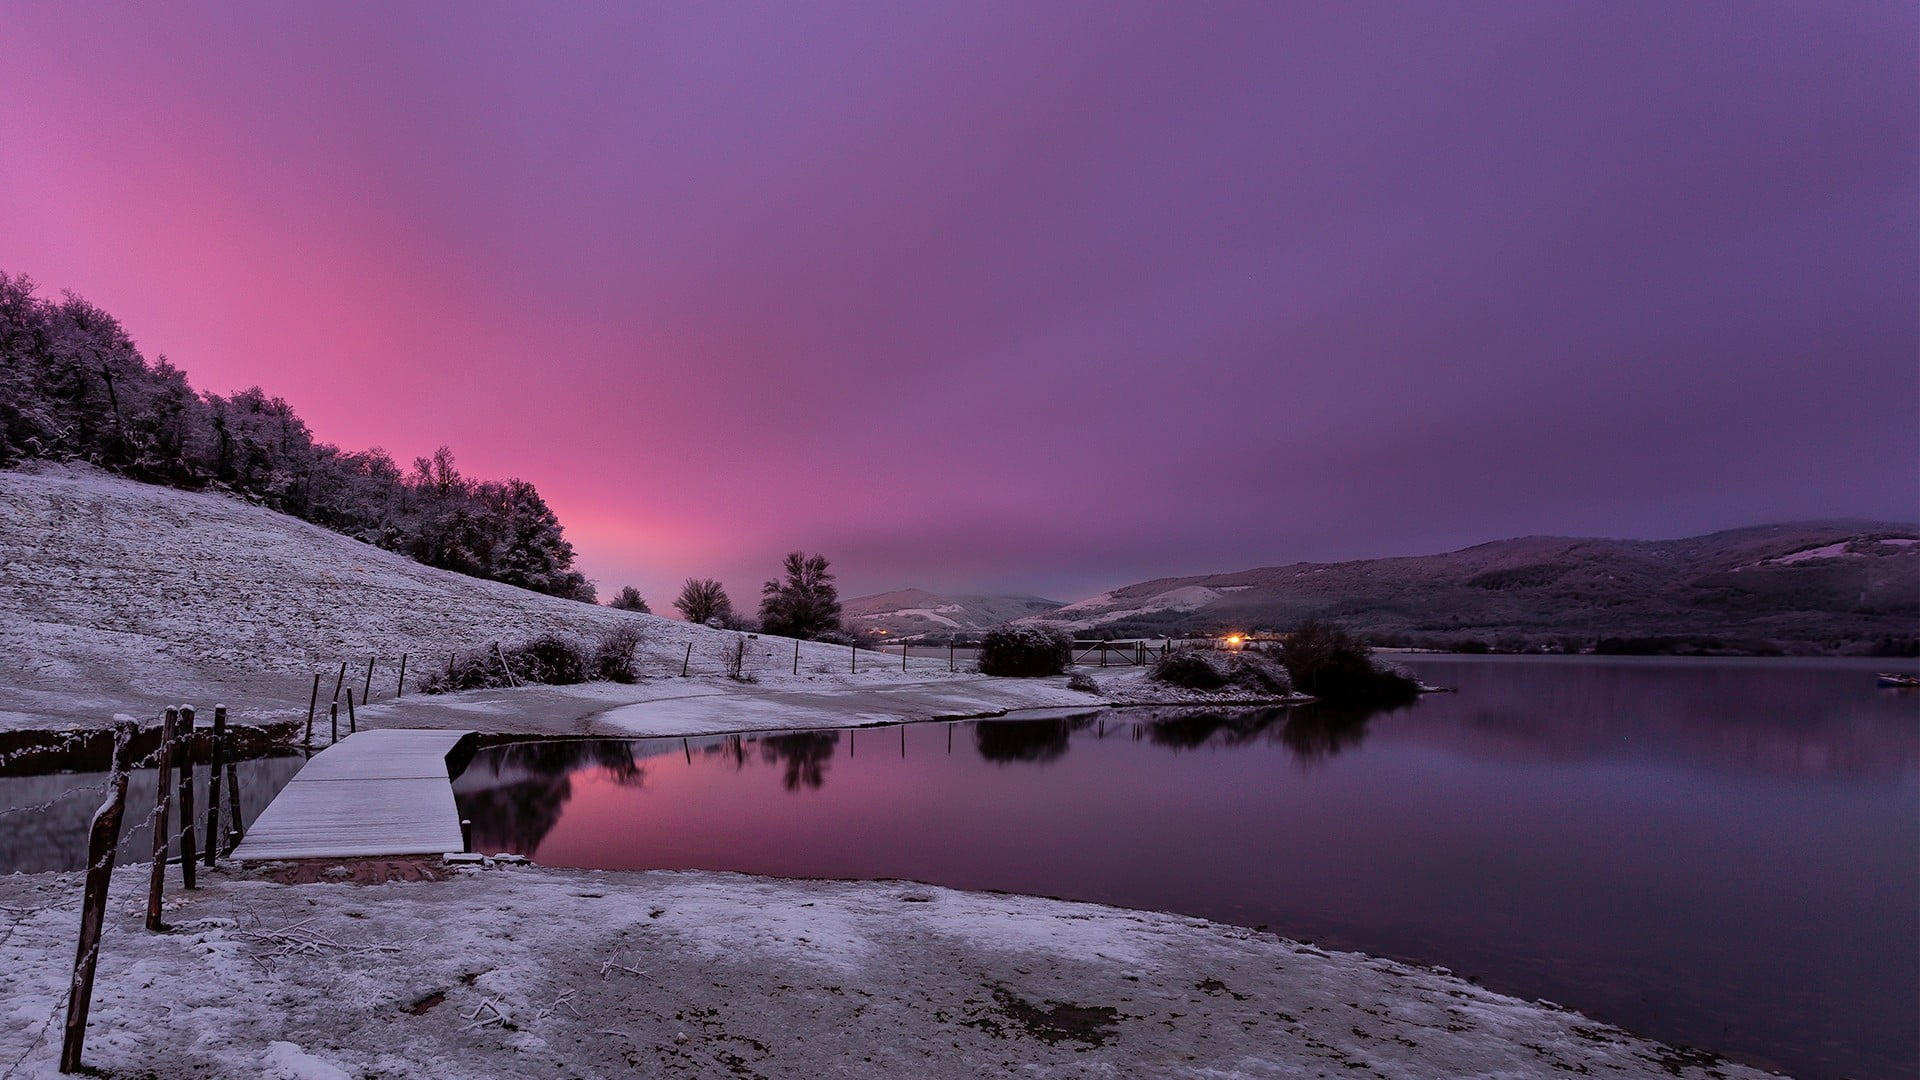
point(188, 854)
point(949, 657)
point(366, 685)
point(685, 661)
point(216, 761)
point(162, 805)
point(333, 722)
point(853, 662)
point(338, 679)
point(234, 825)
point(400, 687)
point(353, 724)
point(796, 656)
point(312, 702)
point(102, 839)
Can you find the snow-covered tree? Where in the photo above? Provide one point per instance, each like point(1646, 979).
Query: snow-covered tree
point(803, 604)
point(702, 600)
point(629, 599)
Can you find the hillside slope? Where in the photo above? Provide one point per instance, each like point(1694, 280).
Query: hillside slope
point(917, 612)
point(117, 596)
point(1809, 586)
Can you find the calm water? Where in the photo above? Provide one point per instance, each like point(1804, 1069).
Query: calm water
point(44, 819)
point(1721, 854)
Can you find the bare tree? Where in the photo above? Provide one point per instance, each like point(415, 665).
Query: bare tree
point(702, 599)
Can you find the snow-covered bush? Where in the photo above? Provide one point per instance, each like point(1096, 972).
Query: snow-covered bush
point(1260, 674)
point(1025, 651)
point(1334, 665)
point(613, 653)
point(1191, 670)
point(1082, 682)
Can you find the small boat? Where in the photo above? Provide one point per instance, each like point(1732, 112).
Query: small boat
point(1899, 682)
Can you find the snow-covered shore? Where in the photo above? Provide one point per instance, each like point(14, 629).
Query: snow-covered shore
point(540, 972)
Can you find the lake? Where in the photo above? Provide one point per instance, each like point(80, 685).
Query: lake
point(1723, 854)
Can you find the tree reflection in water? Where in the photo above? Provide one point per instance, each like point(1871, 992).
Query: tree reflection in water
point(1313, 732)
point(804, 756)
point(515, 793)
point(1033, 741)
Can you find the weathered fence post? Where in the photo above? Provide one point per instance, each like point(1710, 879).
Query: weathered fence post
point(366, 685)
point(333, 721)
point(338, 679)
point(216, 760)
point(185, 796)
point(162, 805)
point(235, 828)
point(353, 725)
point(687, 660)
point(312, 702)
point(949, 657)
point(853, 661)
point(796, 656)
point(903, 656)
point(400, 685)
point(102, 840)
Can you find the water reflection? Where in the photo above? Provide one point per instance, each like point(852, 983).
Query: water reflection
point(802, 757)
point(515, 793)
point(1035, 742)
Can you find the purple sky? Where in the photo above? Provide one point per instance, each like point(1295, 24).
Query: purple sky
point(1043, 296)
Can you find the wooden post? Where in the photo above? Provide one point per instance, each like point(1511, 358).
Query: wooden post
point(184, 756)
point(216, 762)
point(949, 656)
point(687, 749)
point(796, 656)
point(338, 679)
point(102, 839)
point(400, 687)
point(853, 661)
point(235, 826)
point(903, 741)
point(353, 725)
point(162, 805)
point(312, 702)
point(903, 656)
point(366, 685)
point(688, 659)
point(333, 721)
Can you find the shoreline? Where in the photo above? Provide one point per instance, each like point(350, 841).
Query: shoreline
point(568, 972)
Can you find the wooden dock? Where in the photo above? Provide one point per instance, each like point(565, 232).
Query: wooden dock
point(374, 793)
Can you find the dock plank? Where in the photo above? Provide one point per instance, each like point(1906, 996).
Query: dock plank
point(374, 793)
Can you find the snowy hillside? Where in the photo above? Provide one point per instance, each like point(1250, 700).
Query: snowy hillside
point(117, 596)
point(917, 612)
point(1807, 587)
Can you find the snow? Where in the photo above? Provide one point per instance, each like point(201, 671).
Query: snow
point(534, 971)
point(1109, 607)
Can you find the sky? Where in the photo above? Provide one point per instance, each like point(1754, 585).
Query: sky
point(1031, 297)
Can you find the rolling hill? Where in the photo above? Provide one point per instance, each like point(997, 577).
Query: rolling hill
point(919, 613)
point(1821, 586)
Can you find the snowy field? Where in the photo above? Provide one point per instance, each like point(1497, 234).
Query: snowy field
point(124, 597)
point(550, 973)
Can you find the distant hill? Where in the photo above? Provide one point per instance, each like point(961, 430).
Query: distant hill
point(1820, 586)
point(918, 613)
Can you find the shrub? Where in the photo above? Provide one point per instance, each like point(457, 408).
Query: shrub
point(1259, 673)
point(1332, 664)
point(736, 657)
point(1190, 669)
point(1025, 651)
point(1082, 682)
point(613, 654)
point(550, 658)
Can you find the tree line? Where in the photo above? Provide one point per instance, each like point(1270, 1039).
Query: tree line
point(74, 388)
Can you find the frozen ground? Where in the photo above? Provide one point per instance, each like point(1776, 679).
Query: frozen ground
point(124, 597)
point(537, 972)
